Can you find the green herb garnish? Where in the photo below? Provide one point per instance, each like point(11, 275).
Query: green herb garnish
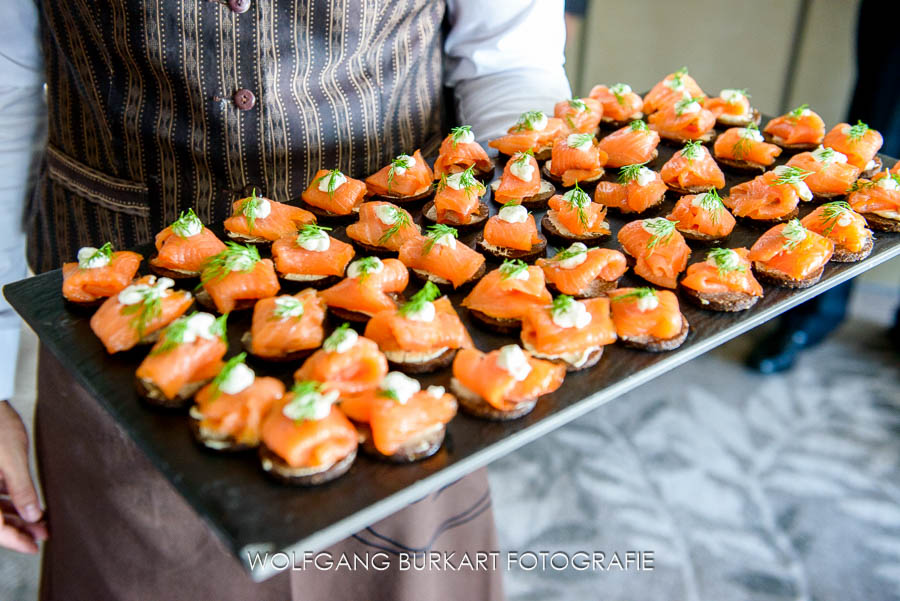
point(579, 105)
point(635, 294)
point(457, 133)
point(175, 333)
point(580, 140)
point(366, 266)
point(511, 268)
point(562, 304)
point(725, 260)
point(797, 112)
point(185, 223)
point(311, 231)
point(288, 306)
point(832, 213)
point(692, 150)
point(303, 406)
point(337, 337)
point(794, 233)
point(619, 90)
point(387, 393)
point(857, 131)
point(105, 251)
point(528, 120)
point(568, 253)
point(522, 157)
point(638, 125)
point(235, 257)
point(332, 177)
point(682, 104)
point(629, 173)
point(225, 372)
point(249, 209)
point(578, 200)
point(436, 232)
point(147, 309)
point(660, 230)
point(400, 219)
point(791, 176)
point(711, 201)
point(743, 145)
point(404, 161)
point(677, 76)
point(825, 154)
point(428, 293)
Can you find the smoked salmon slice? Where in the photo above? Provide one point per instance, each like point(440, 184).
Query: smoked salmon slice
point(574, 214)
point(237, 277)
point(638, 189)
point(658, 249)
point(702, 217)
point(745, 144)
point(311, 254)
point(188, 354)
point(619, 102)
point(383, 225)
point(684, 120)
point(724, 270)
point(574, 270)
point(458, 197)
point(186, 245)
point(878, 198)
point(836, 221)
point(332, 191)
point(568, 328)
point(692, 170)
point(370, 286)
point(138, 311)
point(859, 143)
point(406, 177)
point(581, 115)
point(287, 324)
point(513, 227)
point(98, 273)
point(771, 196)
point(440, 255)
point(800, 127)
point(792, 250)
point(829, 172)
point(533, 131)
point(673, 88)
point(509, 291)
point(459, 151)
point(257, 218)
point(521, 179)
point(638, 313)
point(576, 158)
point(635, 143)
point(347, 363)
point(732, 107)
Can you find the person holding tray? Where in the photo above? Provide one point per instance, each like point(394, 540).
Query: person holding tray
point(156, 108)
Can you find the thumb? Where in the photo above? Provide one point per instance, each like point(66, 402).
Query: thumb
point(20, 488)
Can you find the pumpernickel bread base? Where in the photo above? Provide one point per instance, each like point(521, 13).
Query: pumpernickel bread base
point(556, 235)
point(276, 467)
point(502, 253)
point(476, 406)
point(536, 202)
point(657, 345)
point(778, 278)
point(729, 302)
point(420, 447)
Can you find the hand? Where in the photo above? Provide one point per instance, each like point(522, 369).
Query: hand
point(21, 526)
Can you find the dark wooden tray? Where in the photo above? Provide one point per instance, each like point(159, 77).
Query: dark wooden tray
point(250, 512)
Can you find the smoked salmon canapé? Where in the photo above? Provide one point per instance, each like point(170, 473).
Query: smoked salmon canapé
point(459, 151)
point(723, 282)
point(236, 278)
point(658, 249)
point(702, 217)
point(583, 272)
point(311, 257)
point(830, 175)
point(878, 200)
point(569, 332)
point(575, 159)
point(500, 299)
point(187, 355)
point(333, 196)
point(685, 120)
point(184, 247)
point(422, 335)
point(398, 421)
point(406, 179)
point(635, 143)
point(347, 363)
point(371, 285)
point(800, 129)
point(790, 256)
point(286, 327)
point(98, 274)
point(744, 149)
point(305, 439)
point(581, 115)
point(859, 143)
point(137, 313)
point(772, 197)
point(382, 228)
point(521, 183)
point(512, 234)
point(672, 88)
point(638, 190)
point(692, 170)
point(648, 319)
point(228, 412)
point(534, 131)
point(573, 217)
point(620, 104)
point(440, 258)
point(259, 220)
point(846, 228)
point(457, 201)
point(732, 108)
point(503, 384)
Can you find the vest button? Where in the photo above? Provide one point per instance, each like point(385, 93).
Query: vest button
point(239, 6)
point(244, 99)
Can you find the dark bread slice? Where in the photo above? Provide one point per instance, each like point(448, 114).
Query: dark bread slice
point(150, 393)
point(542, 154)
point(399, 200)
point(177, 275)
point(474, 405)
point(288, 281)
point(657, 345)
point(545, 171)
point(741, 166)
point(610, 123)
point(84, 307)
point(219, 444)
point(356, 316)
point(503, 325)
point(536, 202)
point(828, 197)
point(690, 190)
point(420, 447)
point(501, 253)
point(423, 367)
point(374, 251)
point(679, 141)
point(592, 360)
point(768, 222)
point(729, 302)
point(246, 239)
point(327, 216)
point(555, 234)
point(446, 285)
point(778, 278)
point(246, 340)
point(788, 148)
point(479, 217)
point(882, 224)
point(699, 236)
point(205, 300)
point(276, 467)
point(755, 117)
point(870, 173)
point(842, 255)
point(596, 288)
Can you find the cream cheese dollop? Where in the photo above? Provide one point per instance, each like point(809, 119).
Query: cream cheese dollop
point(577, 197)
point(341, 342)
point(576, 259)
point(435, 392)
point(136, 293)
point(536, 125)
point(318, 242)
point(289, 306)
point(580, 142)
point(645, 176)
point(573, 315)
point(753, 134)
point(263, 209)
point(690, 108)
point(354, 270)
point(239, 378)
point(802, 189)
point(321, 405)
point(338, 178)
point(447, 240)
point(647, 303)
point(822, 155)
point(199, 325)
point(731, 96)
point(387, 214)
point(455, 181)
point(408, 163)
point(513, 214)
point(89, 259)
point(523, 170)
point(425, 313)
point(887, 183)
point(513, 361)
point(401, 385)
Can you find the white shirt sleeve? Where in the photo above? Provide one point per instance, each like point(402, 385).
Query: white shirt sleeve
point(505, 57)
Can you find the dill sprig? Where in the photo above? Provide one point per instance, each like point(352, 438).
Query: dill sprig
point(387, 393)
point(427, 294)
point(366, 266)
point(797, 112)
point(175, 333)
point(725, 260)
point(289, 306)
point(332, 177)
point(791, 176)
point(861, 184)
point(638, 125)
point(682, 105)
point(401, 220)
point(105, 251)
point(743, 145)
point(457, 133)
point(311, 231)
point(578, 200)
point(522, 157)
point(306, 395)
point(528, 119)
point(572, 251)
point(619, 90)
point(225, 372)
point(857, 131)
point(561, 304)
point(635, 294)
point(337, 337)
point(711, 201)
point(692, 150)
point(677, 77)
point(579, 105)
point(185, 223)
point(512, 268)
point(581, 140)
point(436, 232)
point(235, 257)
point(660, 230)
point(249, 208)
point(629, 173)
point(402, 162)
point(793, 233)
point(466, 179)
point(147, 309)
point(825, 154)
point(832, 213)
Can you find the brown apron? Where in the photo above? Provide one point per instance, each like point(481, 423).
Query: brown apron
point(119, 531)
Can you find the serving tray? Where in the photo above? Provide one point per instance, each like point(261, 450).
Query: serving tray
point(248, 511)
